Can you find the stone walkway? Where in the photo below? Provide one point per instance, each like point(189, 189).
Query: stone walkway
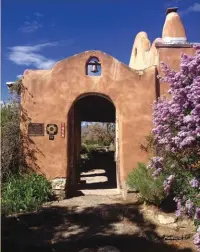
point(93, 222)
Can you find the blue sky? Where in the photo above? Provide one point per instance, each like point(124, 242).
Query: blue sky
point(38, 33)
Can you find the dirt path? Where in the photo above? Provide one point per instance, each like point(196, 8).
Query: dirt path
point(87, 222)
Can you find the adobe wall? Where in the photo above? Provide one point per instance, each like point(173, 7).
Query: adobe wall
point(49, 94)
point(171, 57)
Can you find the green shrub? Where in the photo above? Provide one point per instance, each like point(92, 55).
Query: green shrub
point(92, 147)
point(111, 147)
point(25, 193)
point(151, 190)
point(11, 157)
point(84, 148)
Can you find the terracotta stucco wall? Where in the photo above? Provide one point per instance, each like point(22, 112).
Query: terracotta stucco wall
point(49, 94)
point(171, 57)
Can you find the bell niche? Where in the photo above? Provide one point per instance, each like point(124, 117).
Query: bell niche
point(93, 67)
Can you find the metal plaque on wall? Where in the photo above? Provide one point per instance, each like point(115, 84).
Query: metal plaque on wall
point(36, 129)
point(51, 137)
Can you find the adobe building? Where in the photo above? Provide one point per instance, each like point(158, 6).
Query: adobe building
point(94, 86)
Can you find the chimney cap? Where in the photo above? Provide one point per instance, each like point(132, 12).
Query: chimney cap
point(172, 9)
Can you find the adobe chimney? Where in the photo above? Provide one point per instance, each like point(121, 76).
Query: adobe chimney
point(172, 9)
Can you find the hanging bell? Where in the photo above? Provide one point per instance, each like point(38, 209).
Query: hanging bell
point(94, 68)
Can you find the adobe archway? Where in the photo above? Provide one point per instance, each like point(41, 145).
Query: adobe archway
point(91, 107)
point(49, 95)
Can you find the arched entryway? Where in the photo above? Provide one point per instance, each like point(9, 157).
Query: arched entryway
point(96, 168)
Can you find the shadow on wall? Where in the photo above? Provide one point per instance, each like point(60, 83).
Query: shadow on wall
point(69, 187)
point(72, 229)
point(29, 149)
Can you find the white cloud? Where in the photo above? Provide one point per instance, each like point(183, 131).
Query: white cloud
point(33, 25)
point(38, 14)
point(31, 56)
point(29, 27)
point(193, 8)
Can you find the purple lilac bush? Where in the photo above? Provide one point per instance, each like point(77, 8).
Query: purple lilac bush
point(176, 131)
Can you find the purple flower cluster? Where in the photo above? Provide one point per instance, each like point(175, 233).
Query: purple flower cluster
point(179, 208)
point(186, 206)
point(168, 184)
point(189, 208)
point(177, 120)
point(157, 165)
point(197, 240)
point(176, 126)
point(194, 183)
point(197, 213)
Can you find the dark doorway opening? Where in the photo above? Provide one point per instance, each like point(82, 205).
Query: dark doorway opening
point(92, 144)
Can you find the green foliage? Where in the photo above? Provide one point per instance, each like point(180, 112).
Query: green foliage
point(112, 147)
point(102, 134)
point(151, 190)
point(92, 147)
point(84, 148)
point(9, 112)
point(17, 87)
point(25, 193)
point(183, 188)
point(185, 166)
point(10, 140)
point(88, 148)
point(20, 192)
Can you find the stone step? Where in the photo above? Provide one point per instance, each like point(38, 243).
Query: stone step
point(105, 192)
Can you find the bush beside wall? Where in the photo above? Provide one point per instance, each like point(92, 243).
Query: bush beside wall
point(25, 192)
point(150, 190)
